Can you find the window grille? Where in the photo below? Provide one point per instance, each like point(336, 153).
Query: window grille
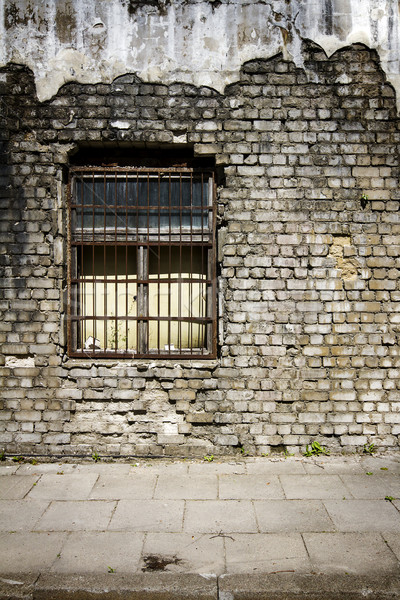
point(141, 268)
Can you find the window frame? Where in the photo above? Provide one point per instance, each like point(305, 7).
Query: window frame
point(144, 240)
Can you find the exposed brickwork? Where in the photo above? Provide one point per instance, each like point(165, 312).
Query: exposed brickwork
point(309, 289)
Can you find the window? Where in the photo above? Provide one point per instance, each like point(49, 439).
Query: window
point(141, 272)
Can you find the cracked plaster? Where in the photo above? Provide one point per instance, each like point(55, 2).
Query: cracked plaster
point(202, 42)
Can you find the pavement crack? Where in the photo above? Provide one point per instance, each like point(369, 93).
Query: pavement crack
point(223, 535)
point(153, 494)
point(112, 513)
point(282, 571)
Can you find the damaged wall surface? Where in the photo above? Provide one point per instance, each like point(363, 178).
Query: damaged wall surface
point(303, 144)
point(204, 43)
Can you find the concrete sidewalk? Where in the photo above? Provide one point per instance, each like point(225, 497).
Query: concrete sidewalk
point(239, 528)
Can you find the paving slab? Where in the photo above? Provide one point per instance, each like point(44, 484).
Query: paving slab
point(91, 514)
point(29, 551)
point(190, 487)
point(363, 515)
point(159, 467)
point(275, 466)
point(65, 486)
point(235, 467)
point(352, 553)
point(21, 515)
point(8, 469)
point(333, 465)
point(89, 552)
point(184, 553)
point(80, 515)
point(377, 485)
point(261, 486)
point(393, 541)
point(41, 468)
point(292, 516)
point(16, 486)
point(120, 469)
point(374, 463)
point(148, 515)
point(206, 516)
point(265, 553)
point(123, 486)
point(313, 487)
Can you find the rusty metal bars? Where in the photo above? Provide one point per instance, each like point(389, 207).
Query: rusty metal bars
point(174, 242)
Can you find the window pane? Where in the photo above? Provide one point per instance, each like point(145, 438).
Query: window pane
point(107, 288)
point(138, 202)
point(177, 289)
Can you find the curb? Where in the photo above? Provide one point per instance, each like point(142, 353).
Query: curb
point(146, 586)
point(175, 586)
point(313, 586)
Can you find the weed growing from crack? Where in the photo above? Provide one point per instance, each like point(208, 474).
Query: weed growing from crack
point(315, 450)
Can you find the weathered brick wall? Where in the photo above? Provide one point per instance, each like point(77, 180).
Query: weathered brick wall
point(308, 268)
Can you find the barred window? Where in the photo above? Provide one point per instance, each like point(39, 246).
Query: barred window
point(141, 268)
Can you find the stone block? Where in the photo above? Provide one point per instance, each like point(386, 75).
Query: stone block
point(28, 415)
point(182, 394)
point(57, 438)
point(200, 417)
point(226, 440)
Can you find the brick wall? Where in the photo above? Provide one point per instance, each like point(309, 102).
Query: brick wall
point(308, 245)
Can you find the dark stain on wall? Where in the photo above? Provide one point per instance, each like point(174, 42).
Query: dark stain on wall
point(65, 21)
point(328, 17)
point(134, 5)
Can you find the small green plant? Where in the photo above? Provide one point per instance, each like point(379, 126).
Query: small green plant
point(369, 449)
point(33, 461)
point(117, 338)
point(384, 468)
point(118, 332)
point(389, 498)
point(243, 452)
point(287, 453)
point(95, 457)
point(315, 450)
point(369, 473)
point(265, 454)
point(111, 570)
point(364, 200)
point(18, 459)
point(2, 455)
point(209, 457)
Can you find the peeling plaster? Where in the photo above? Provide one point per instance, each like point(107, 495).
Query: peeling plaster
point(200, 42)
